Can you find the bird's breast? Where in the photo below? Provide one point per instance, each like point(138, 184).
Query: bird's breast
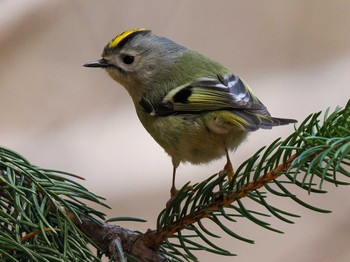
point(190, 137)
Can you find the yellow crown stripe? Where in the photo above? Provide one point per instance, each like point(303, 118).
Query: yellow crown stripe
point(114, 42)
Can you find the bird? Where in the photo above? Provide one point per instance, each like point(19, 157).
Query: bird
point(193, 107)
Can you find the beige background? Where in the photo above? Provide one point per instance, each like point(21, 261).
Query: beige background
point(295, 55)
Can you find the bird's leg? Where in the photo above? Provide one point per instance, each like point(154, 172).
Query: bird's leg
point(228, 170)
point(228, 167)
point(173, 190)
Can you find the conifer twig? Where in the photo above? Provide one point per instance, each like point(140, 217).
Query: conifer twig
point(156, 237)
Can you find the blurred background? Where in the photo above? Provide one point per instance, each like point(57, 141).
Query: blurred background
point(295, 55)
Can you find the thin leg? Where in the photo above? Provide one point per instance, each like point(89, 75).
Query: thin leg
point(173, 190)
point(228, 167)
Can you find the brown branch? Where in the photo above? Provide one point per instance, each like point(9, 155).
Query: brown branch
point(37, 232)
point(154, 238)
point(110, 237)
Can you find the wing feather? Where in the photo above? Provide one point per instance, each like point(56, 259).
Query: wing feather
point(208, 94)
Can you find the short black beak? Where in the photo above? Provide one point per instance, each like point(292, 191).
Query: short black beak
point(102, 63)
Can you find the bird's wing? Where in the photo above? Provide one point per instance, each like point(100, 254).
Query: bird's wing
point(208, 94)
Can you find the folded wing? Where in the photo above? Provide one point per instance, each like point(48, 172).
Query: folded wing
point(228, 93)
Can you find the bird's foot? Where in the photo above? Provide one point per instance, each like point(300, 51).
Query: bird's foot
point(228, 170)
point(174, 192)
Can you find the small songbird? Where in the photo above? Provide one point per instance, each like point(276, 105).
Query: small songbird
point(191, 105)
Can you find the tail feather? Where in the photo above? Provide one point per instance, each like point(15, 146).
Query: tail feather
point(276, 121)
point(255, 121)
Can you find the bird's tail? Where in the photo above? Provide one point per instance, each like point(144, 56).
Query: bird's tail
point(267, 122)
point(256, 120)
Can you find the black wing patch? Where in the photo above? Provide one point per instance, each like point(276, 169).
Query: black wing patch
point(183, 95)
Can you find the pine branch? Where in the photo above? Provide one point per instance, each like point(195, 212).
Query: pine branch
point(34, 208)
point(43, 217)
point(224, 200)
point(120, 244)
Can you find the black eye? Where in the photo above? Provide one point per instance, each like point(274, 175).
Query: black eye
point(128, 59)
